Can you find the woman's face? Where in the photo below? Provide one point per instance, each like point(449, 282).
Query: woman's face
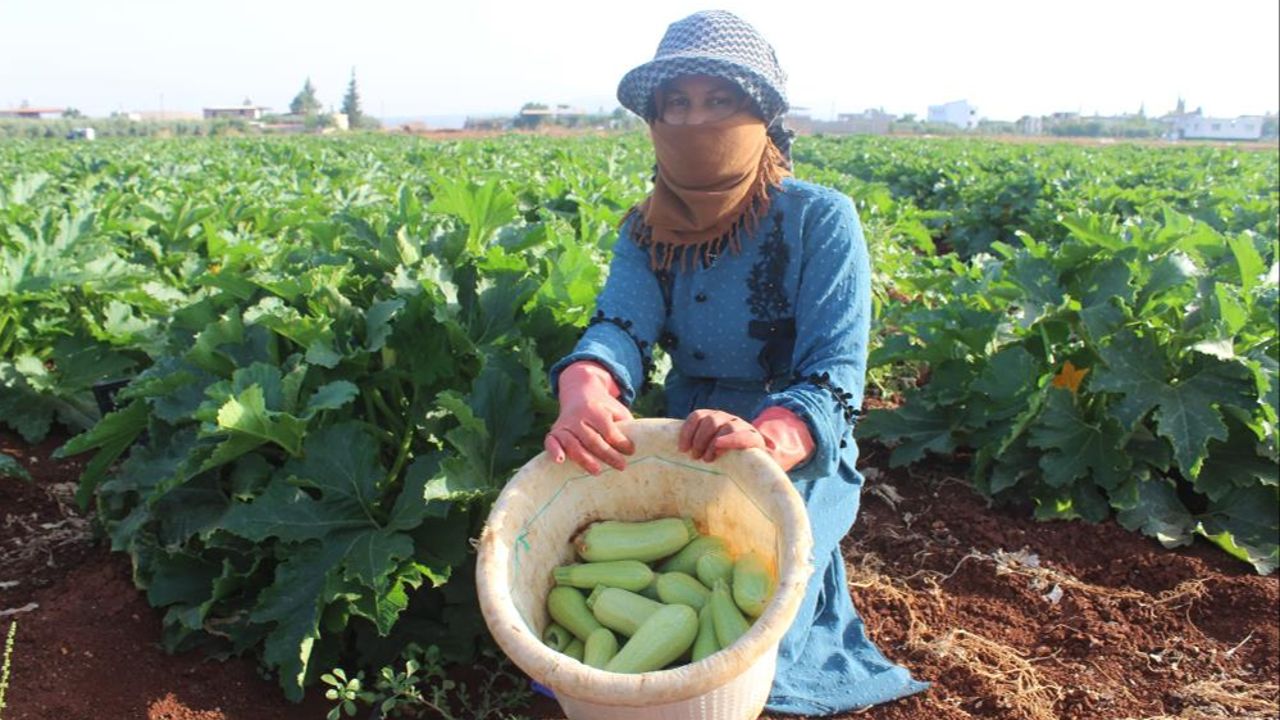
point(697, 99)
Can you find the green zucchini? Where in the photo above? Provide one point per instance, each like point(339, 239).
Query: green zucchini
point(714, 566)
point(626, 574)
point(621, 610)
point(752, 584)
point(651, 590)
point(728, 620)
point(568, 608)
point(663, 637)
point(556, 637)
point(677, 588)
point(686, 560)
point(644, 541)
point(601, 646)
point(705, 644)
point(575, 649)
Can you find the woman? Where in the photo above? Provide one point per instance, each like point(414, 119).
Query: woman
point(757, 286)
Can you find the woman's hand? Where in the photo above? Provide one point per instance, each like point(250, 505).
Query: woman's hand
point(587, 429)
point(708, 434)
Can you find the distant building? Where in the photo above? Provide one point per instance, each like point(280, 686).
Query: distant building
point(959, 113)
point(1195, 126)
point(159, 115)
point(30, 113)
point(559, 111)
point(487, 123)
point(1028, 125)
point(867, 122)
point(235, 112)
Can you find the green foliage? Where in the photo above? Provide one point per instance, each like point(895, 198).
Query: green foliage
point(1113, 362)
point(10, 468)
point(1130, 127)
point(332, 371)
point(119, 126)
point(305, 102)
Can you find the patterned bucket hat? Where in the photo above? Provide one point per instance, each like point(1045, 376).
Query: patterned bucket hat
point(712, 42)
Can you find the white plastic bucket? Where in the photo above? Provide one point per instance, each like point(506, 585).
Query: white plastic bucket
point(743, 497)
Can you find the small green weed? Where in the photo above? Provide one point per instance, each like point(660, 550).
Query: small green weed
point(423, 688)
point(4, 666)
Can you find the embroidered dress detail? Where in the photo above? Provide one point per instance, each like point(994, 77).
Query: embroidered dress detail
point(646, 353)
point(668, 341)
point(843, 399)
point(767, 299)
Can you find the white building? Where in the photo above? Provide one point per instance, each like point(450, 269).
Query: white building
point(959, 113)
point(1198, 127)
point(242, 112)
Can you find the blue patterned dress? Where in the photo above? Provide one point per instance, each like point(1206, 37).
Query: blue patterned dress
point(785, 322)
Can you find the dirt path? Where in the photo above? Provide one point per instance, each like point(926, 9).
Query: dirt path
point(1010, 619)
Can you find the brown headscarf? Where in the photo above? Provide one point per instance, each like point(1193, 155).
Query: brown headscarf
point(712, 185)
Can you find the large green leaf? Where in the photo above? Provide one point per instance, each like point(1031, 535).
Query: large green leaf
point(1245, 524)
point(314, 335)
point(1187, 409)
point(913, 428)
point(1076, 447)
point(340, 464)
point(11, 468)
point(110, 437)
point(289, 513)
point(1155, 511)
point(293, 603)
point(484, 208)
point(246, 419)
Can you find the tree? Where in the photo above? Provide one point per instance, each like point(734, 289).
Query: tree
point(530, 115)
point(351, 103)
point(305, 102)
point(72, 113)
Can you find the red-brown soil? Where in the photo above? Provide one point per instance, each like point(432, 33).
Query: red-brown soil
point(1010, 619)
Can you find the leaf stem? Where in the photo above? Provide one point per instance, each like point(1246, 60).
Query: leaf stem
point(406, 442)
point(392, 418)
point(1048, 348)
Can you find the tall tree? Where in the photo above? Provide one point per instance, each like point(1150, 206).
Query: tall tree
point(351, 103)
point(305, 102)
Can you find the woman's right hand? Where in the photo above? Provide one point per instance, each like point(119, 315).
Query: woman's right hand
point(587, 429)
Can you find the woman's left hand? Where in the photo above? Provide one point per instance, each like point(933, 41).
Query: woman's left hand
point(708, 434)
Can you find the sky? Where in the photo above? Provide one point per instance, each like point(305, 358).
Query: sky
point(488, 57)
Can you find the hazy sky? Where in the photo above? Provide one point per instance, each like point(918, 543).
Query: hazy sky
point(1009, 58)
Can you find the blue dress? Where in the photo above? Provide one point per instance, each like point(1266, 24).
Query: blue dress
point(785, 322)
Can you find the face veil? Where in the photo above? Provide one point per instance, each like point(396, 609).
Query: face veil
point(712, 185)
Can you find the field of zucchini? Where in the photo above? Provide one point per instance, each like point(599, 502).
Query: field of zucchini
point(320, 358)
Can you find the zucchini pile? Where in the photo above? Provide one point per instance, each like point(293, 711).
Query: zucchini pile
point(653, 594)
